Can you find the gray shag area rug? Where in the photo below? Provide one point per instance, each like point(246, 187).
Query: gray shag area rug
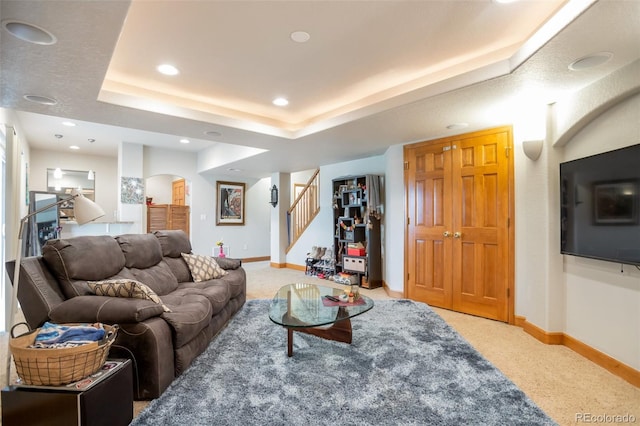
point(406, 366)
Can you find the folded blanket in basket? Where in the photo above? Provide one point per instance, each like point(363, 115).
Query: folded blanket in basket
point(63, 336)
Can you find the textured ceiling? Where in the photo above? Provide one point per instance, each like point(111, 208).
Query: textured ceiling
point(373, 74)
point(235, 57)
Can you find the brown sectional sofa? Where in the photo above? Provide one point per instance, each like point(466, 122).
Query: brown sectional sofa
point(53, 287)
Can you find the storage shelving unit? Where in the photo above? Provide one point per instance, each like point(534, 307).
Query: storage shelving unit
point(353, 225)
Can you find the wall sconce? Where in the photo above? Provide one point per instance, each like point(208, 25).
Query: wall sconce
point(274, 196)
point(532, 149)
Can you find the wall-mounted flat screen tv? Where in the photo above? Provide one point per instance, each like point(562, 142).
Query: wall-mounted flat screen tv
point(600, 206)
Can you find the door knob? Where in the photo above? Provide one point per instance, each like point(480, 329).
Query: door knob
point(457, 234)
point(446, 234)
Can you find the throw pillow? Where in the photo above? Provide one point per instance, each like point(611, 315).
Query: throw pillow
point(126, 288)
point(203, 268)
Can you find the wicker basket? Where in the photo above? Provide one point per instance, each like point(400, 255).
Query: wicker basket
point(55, 367)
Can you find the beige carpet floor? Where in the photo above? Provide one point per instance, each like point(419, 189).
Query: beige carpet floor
point(567, 386)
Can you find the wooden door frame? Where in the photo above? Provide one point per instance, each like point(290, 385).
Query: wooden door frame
point(511, 229)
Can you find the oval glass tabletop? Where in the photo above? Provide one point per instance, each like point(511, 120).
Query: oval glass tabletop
point(305, 305)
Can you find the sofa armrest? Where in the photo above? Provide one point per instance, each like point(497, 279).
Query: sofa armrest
point(227, 263)
point(110, 310)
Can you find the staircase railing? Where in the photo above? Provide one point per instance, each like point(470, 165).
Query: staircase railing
point(303, 209)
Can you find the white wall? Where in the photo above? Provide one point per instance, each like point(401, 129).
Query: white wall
point(279, 230)
point(589, 300)
point(320, 232)
point(603, 301)
point(106, 189)
point(250, 240)
point(300, 178)
point(394, 220)
point(130, 165)
point(16, 154)
point(105, 168)
point(160, 188)
point(538, 268)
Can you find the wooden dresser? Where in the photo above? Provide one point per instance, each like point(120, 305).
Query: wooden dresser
point(167, 216)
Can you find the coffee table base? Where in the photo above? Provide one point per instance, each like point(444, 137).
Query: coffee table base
point(340, 331)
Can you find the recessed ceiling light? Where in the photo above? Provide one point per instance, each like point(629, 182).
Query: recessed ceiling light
point(91, 140)
point(43, 100)
point(280, 102)
point(505, 1)
point(29, 32)
point(590, 61)
point(213, 133)
point(58, 135)
point(185, 141)
point(456, 126)
point(68, 124)
point(167, 69)
point(300, 36)
point(74, 147)
point(231, 169)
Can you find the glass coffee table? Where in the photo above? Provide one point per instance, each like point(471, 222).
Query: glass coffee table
point(304, 308)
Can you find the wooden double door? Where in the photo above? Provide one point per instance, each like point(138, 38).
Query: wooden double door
point(460, 239)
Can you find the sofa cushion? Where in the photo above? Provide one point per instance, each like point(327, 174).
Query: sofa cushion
point(203, 267)
point(217, 295)
point(140, 250)
point(234, 280)
point(73, 261)
point(179, 268)
point(189, 315)
point(126, 288)
point(173, 242)
point(159, 278)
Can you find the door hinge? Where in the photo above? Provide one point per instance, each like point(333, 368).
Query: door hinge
point(508, 222)
point(508, 293)
point(506, 151)
point(407, 276)
point(408, 220)
point(406, 165)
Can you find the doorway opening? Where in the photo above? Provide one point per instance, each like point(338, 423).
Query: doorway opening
point(168, 200)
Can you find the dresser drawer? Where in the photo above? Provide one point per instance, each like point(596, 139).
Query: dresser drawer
point(356, 264)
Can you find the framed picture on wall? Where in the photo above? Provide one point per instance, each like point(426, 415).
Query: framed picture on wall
point(616, 202)
point(230, 203)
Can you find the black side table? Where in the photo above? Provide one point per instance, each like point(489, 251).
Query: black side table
point(108, 401)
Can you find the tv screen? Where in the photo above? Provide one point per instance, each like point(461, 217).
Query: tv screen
point(600, 206)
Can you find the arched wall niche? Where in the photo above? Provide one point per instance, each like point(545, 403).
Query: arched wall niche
point(159, 188)
point(574, 113)
point(168, 203)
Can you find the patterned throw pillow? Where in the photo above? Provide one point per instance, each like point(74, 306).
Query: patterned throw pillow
point(126, 288)
point(203, 268)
